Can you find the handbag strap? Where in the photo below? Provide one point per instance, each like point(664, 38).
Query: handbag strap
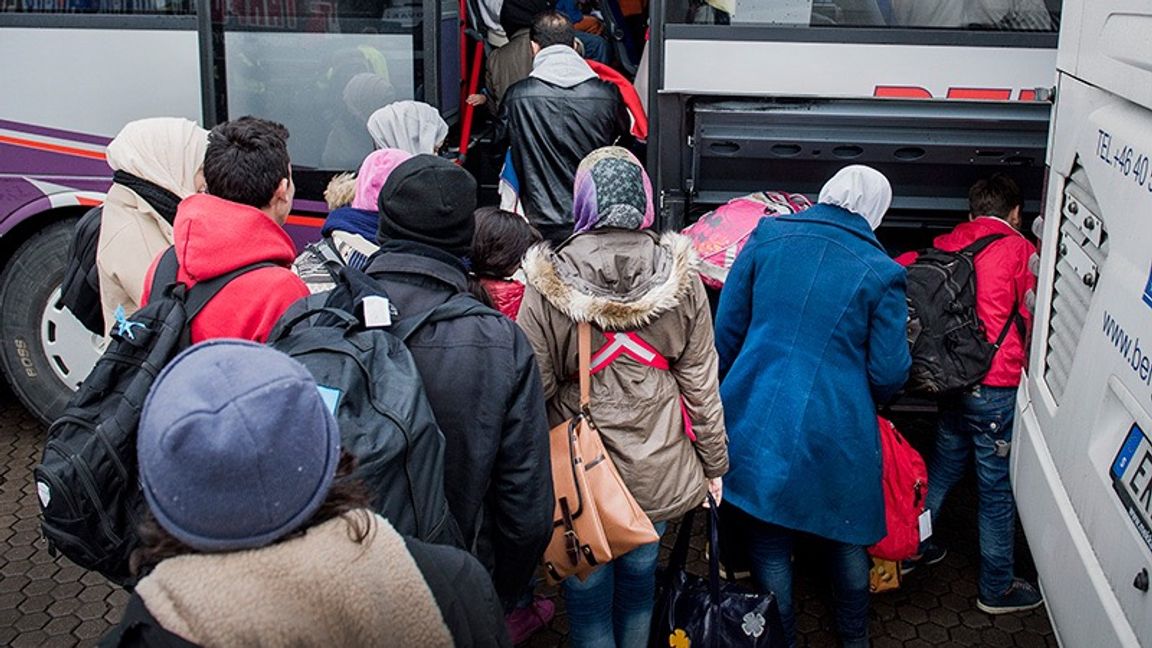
point(678, 559)
point(584, 342)
point(714, 549)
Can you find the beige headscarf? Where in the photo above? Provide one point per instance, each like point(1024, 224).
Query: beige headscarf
point(167, 151)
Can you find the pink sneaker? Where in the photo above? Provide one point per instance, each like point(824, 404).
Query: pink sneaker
point(526, 621)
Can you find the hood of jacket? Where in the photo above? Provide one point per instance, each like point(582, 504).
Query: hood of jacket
point(321, 588)
point(561, 66)
point(968, 232)
point(214, 236)
point(617, 279)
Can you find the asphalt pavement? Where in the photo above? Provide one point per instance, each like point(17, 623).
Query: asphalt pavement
point(47, 601)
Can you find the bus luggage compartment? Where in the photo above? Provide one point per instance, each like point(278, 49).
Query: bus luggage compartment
point(931, 151)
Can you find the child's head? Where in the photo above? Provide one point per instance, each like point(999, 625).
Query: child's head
point(500, 241)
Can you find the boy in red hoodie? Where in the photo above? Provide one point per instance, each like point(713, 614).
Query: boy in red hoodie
point(240, 221)
point(978, 421)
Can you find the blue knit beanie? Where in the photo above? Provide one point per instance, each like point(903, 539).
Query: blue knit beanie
point(236, 446)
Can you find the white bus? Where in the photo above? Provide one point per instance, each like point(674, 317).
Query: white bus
point(1082, 462)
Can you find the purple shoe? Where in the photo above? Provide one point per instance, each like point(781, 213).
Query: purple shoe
point(526, 621)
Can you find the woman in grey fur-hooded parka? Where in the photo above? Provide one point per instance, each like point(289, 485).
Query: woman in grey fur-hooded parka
point(621, 278)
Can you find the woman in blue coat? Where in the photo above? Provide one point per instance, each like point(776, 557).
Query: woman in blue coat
point(811, 334)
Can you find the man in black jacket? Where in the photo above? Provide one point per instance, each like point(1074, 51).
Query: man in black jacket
point(552, 119)
point(478, 370)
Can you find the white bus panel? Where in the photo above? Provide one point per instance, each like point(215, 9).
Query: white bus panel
point(854, 70)
point(94, 81)
point(1108, 44)
point(1082, 467)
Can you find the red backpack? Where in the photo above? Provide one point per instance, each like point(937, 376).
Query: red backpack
point(905, 488)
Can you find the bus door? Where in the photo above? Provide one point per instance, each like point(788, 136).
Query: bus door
point(753, 95)
point(1082, 456)
point(322, 67)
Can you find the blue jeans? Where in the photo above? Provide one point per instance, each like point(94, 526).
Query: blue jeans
point(613, 608)
point(595, 47)
point(770, 548)
point(979, 422)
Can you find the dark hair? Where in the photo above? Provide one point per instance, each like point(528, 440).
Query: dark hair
point(500, 241)
point(995, 196)
point(347, 498)
point(552, 28)
point(246, 159)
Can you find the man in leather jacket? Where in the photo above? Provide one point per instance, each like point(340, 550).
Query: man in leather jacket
point(552, 119)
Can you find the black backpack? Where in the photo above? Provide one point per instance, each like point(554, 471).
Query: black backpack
point(950, 350)
point(80, 291)
point(378, 396)
point(90, 497)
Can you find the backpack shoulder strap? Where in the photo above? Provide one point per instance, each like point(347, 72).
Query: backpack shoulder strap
point(462, 305)
point(166, 272)
point(200, 294)
point(978, 246)
point(1013, 319)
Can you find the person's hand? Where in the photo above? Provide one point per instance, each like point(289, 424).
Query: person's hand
point(476, 100)
point(716, 488)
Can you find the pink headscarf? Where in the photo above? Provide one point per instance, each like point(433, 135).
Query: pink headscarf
point(374, 171)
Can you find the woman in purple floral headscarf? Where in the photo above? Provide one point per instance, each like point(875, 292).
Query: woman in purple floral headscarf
point(655, 395)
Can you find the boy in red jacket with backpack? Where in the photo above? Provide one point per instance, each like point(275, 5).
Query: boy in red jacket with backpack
point(978, 421)
point(239, 222)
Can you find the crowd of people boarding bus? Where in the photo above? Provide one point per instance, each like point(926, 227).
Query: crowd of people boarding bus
point(255, 532)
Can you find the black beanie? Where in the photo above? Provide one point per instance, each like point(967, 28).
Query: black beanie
point(429, 200)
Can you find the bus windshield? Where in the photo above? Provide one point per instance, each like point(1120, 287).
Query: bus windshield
point(991, 15)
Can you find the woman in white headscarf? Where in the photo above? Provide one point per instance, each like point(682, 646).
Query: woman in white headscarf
point(410, 126)
point(156, 163)
point(811, 335)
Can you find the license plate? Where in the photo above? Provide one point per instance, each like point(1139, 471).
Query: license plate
point(1132, 479)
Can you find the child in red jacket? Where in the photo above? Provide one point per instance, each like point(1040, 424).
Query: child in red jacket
point(978, 422)
point(498, 246)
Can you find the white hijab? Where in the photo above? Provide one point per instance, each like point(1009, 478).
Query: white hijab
point(410, 126)
point(167, 151)
point(861, 190)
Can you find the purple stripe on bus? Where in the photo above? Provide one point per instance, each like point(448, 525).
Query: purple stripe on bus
point(29, 210)
point(302, 235)
point(318, 206)
point(54, 132)
point(15, 193)
point(29, 161)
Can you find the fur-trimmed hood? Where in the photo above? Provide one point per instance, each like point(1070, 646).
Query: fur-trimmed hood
point(616, 279)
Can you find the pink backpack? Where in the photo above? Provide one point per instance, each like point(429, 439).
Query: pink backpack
point(905, 488)
point(719, 235)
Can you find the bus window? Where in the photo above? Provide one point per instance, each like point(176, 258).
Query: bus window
point(148, 7)
point(1005, 15)
point(322, 69)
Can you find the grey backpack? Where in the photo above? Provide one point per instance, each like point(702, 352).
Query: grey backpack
point(371, 382)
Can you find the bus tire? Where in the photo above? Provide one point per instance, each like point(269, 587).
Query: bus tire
point(45, 352)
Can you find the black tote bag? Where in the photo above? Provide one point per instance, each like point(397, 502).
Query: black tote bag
point(709, 612)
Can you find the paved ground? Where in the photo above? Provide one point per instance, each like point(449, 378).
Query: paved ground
point(46, 601)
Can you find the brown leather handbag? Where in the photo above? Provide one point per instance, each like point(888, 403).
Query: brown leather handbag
point(596, 518)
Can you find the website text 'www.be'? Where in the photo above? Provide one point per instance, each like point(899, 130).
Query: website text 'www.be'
point(1129, 348)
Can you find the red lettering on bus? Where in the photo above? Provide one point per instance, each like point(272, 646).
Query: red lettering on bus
point(902, 92)
point(992, 94)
